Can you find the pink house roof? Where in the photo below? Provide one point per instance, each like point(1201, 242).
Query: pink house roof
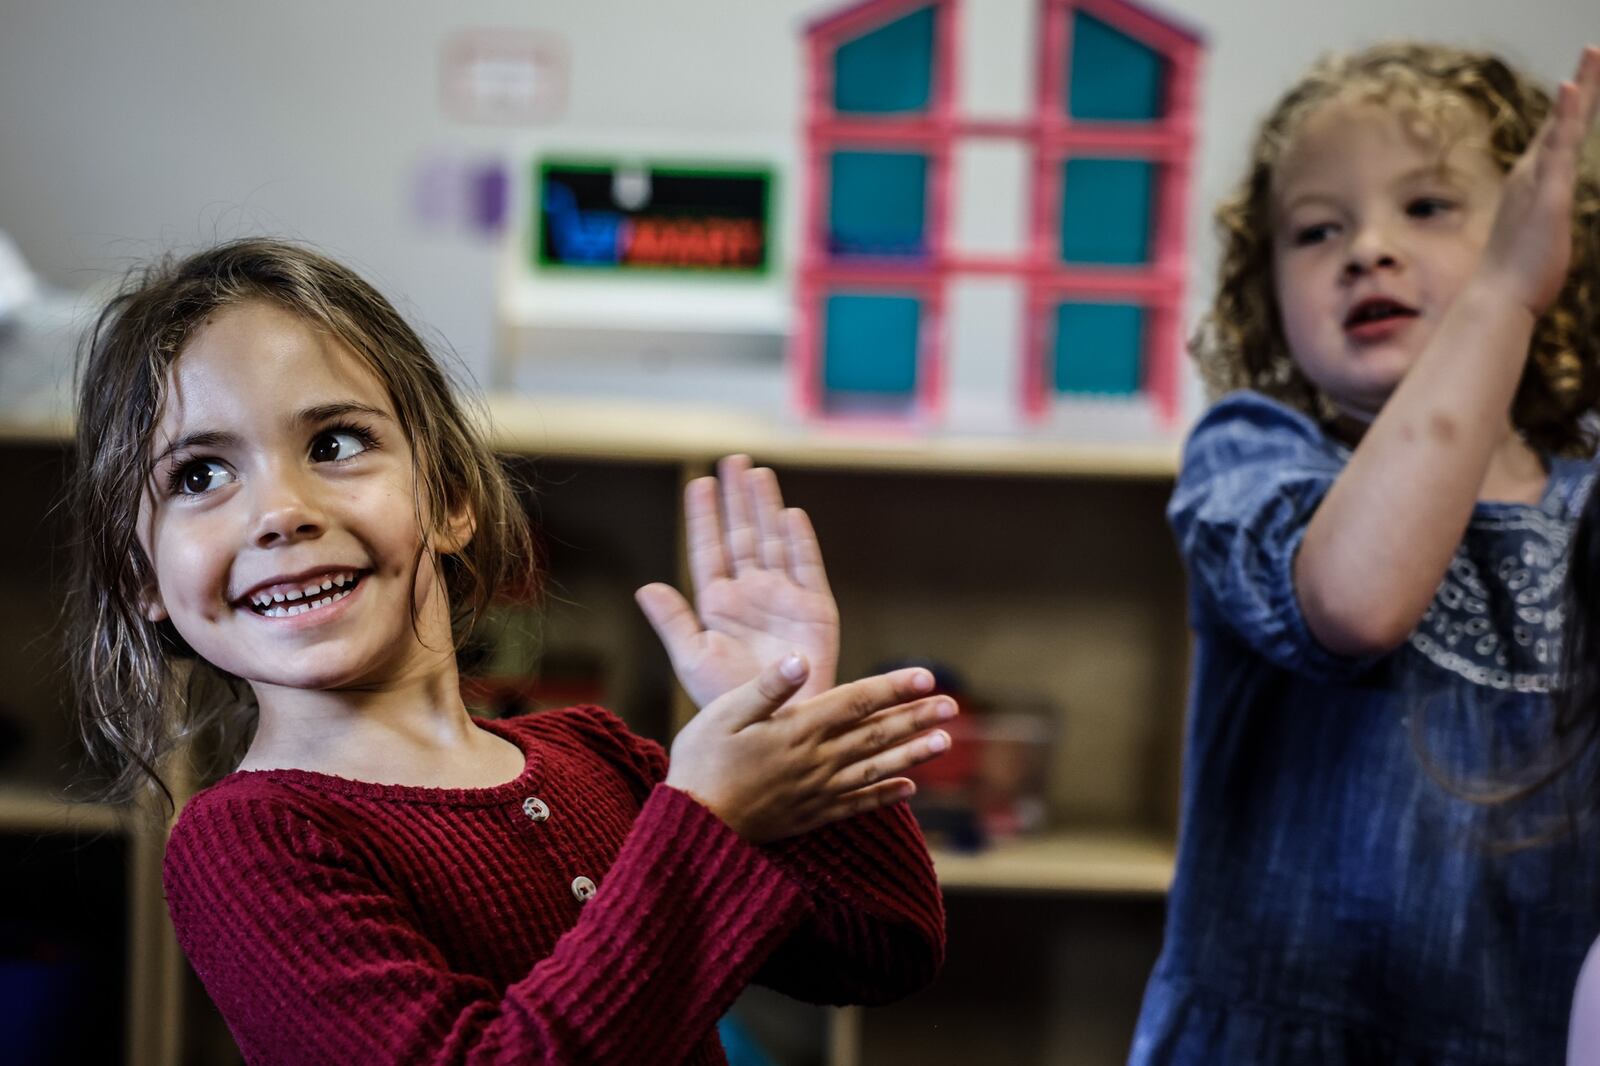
point(1188, 32)
point(843, 22)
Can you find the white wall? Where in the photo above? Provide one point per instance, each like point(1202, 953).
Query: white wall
point(132, 126)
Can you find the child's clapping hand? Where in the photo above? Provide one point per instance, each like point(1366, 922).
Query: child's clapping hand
point(772, 770)
point(1530, 247)
point(759, 586)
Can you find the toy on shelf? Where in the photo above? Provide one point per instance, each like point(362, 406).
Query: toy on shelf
point(994, 783)
point(1111, 139)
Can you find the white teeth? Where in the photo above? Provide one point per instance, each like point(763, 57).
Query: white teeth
point(302, 608)
point(298, 597)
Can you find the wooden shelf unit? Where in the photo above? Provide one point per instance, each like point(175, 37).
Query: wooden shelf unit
point(1029, 564)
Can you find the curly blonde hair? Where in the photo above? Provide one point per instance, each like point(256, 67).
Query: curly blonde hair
point(141, 688)
point(1240, 342)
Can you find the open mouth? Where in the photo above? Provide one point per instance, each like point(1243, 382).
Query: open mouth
point(1377, 309)
point(320, 592)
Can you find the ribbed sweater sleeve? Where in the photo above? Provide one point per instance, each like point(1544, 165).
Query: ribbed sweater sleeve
point(875, 930)
point(312, 957)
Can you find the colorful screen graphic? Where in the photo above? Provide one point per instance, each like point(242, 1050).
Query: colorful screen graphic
point(605, 216)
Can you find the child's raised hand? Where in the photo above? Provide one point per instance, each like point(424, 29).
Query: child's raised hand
point(772, 769)
point(759, 586)
point(1530, 246)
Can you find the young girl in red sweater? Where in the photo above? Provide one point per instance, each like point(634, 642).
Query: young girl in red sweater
point(283, 512)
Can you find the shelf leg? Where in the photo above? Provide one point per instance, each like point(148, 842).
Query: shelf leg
point(844, 1036)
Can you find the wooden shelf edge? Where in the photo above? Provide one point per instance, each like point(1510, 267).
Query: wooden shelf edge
point(574, 427)
point(31, 429)
point(581, 428)
point(1064, 862)
point(36, 811)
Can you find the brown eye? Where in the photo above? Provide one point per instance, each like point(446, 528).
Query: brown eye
point(200, 477)
point(337, 444)
point(1428, 207)
point(1308, 235)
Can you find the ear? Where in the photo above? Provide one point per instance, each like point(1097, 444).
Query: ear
point(151, 605)
point(456, 532)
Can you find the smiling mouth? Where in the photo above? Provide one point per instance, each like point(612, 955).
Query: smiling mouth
point(314, 594)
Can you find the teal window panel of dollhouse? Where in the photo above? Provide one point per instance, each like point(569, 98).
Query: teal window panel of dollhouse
point(870, 345)
point(877, 204)
point(1107, 211)
point(887, 70)
point(1112, 77)
point(1098, 348)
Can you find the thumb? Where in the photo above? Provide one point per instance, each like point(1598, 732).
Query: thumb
point(757, 698)
point(670, 615)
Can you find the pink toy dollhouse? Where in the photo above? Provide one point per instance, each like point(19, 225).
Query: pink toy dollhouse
point(1111, 140)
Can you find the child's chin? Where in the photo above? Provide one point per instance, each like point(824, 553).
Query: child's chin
point(306, 677)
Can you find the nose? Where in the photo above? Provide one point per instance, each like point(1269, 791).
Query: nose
point(1371, 249)
point(287, 510)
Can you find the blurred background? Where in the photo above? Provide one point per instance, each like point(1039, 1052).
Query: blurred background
point(130, 129)
point(1021, 552)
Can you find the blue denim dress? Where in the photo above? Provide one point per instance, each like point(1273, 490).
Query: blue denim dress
point(1334, 903)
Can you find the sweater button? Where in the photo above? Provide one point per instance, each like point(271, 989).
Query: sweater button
point(535, 808)
point(582, 889)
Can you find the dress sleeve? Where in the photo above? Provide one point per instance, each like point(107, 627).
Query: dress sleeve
point(312, 960)
point(875, 930)
point(1254, 473)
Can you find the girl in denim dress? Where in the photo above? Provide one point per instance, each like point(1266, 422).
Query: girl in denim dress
point(1575, 751)
point(1375, 522)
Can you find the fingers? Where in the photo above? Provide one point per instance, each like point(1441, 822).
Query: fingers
point(804, 554)
point(763, 694)
point(1575, 105)
point(871, 798)
point(1564, 130)
point(893, 762)
point(670, 615)
point(757, 525)
point(889, 728)
point(743, 537)
point(708, 559)
point(1554, 142)
point(845, 706)
point(770, 523)
point(1588, 83)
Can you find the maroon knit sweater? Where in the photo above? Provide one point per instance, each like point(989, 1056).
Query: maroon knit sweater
point(337, 921)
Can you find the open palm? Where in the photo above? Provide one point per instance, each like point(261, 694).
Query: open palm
point(760, 588)
point(1531, 241)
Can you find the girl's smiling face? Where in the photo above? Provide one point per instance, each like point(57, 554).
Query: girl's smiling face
point(1378, 227)
point(281, 519)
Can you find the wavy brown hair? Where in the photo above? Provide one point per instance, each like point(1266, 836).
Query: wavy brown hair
point(140, 687)
point(1240, 342)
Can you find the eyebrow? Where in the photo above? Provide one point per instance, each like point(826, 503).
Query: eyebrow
point(1440, 170)
point(324, 412)
point(307, 416)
